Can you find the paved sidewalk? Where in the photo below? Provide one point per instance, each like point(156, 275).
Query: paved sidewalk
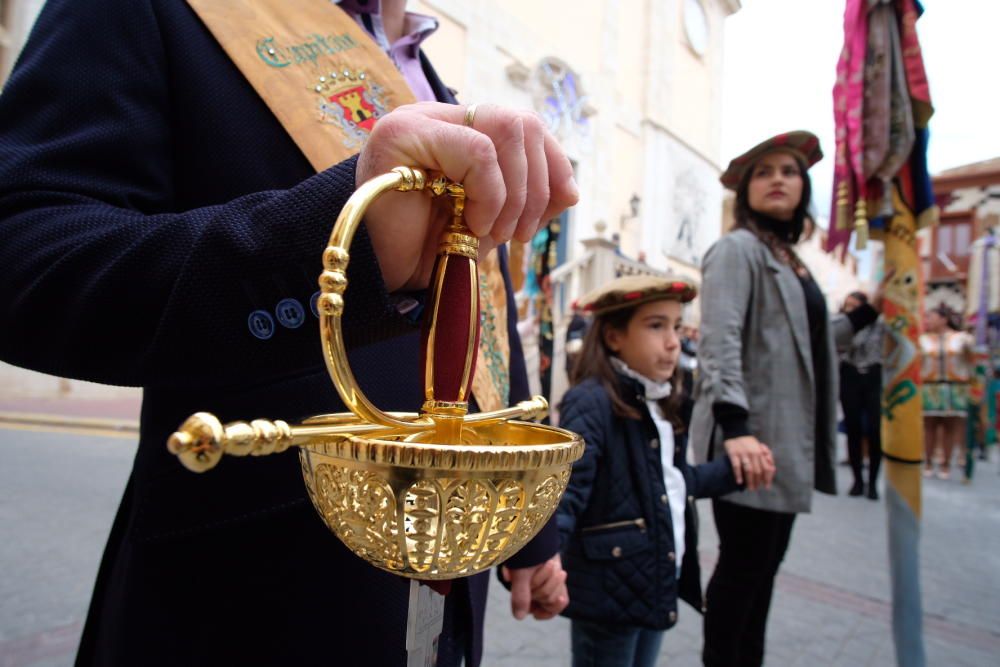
point(124, 408)
point(98, 414)
point(832, 602)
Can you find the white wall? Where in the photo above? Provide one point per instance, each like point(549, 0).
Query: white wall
point(18, 17)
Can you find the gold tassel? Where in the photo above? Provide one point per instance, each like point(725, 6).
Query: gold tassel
point(860, 225)
point(841, 210)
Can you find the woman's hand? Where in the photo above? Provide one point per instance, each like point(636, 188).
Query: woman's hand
point(753, 464)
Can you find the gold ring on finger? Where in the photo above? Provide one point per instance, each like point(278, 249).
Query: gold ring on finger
point(470, 115)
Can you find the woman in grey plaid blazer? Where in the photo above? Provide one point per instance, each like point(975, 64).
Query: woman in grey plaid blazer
point(768, 375)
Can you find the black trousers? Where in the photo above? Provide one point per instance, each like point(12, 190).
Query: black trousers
point(752, 544)
point(861, 399)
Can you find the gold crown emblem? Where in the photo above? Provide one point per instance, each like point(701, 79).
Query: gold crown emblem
point(328, 84)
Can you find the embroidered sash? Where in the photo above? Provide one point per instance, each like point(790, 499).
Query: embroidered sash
point(491, 383)
point(320, 74)
point(327, 83)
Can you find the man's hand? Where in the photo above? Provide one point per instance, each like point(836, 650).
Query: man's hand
point(752, 462)
point(515, 174)
point(540, 590)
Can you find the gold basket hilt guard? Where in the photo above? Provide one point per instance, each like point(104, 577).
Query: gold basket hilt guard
point(455, 283)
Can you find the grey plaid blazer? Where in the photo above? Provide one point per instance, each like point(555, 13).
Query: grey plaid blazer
point(755, 353)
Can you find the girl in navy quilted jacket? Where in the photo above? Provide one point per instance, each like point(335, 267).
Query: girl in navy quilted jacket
point(627, 520)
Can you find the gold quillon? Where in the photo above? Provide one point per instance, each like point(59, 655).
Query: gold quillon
point(202, 439)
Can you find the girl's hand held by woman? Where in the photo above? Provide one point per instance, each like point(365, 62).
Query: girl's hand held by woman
point(752, 462)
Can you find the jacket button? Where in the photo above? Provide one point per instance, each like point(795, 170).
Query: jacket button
point(290, 313)
point(671, 556)
point(617, 552)
point(261, 324)
point(654, 443)
point(673, 617)
point(663, 499)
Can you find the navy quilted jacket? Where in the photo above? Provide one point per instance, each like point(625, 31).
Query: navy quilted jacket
point(614, 520)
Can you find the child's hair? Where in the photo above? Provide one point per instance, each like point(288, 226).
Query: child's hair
point(593, 362)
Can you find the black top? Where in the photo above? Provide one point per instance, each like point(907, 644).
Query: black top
point(816, 314)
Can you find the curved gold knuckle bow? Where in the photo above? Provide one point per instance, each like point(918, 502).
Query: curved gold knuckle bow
point(433, 495)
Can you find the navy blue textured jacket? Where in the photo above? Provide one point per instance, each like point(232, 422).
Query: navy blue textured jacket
point(158, 228)
point(614, 520)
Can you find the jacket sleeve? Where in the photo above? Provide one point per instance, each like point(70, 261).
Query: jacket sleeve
point(712, 479)
point(539, 549)
point(727, 279)
point(584, 412)
point(100, 278)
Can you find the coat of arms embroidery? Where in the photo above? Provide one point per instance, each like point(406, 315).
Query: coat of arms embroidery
point(352, 102)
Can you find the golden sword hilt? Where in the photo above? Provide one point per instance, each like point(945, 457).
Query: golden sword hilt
point(432, 495)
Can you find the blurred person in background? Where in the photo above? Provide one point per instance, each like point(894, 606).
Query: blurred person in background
point(575, 333)
point(861, 398)
point(946, 371)
point(689, 356)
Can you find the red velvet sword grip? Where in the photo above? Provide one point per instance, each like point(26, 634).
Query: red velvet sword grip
point(441, 587)
point(451, 329)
